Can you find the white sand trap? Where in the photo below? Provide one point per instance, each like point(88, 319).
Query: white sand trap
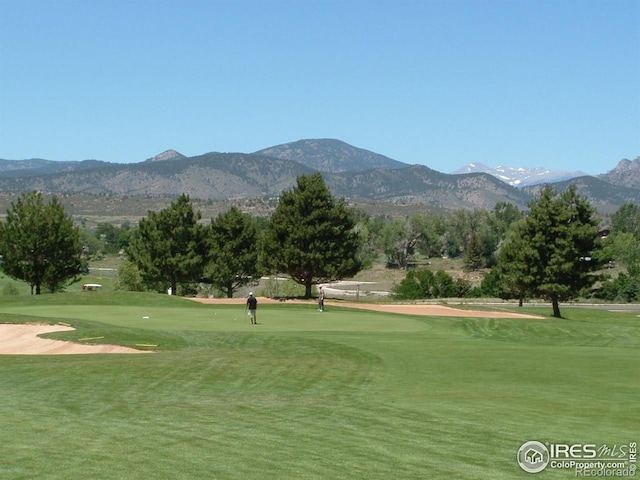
point(22, 339)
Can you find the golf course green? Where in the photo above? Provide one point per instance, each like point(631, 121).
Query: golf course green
point(344, 394)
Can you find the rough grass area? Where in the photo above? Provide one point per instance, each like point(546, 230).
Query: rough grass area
point(345, 394)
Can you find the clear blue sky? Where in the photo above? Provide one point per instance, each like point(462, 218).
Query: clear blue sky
point(553, 83)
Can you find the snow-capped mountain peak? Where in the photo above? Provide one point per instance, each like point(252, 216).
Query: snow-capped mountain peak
point(520, 176)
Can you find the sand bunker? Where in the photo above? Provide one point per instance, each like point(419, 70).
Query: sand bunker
point(22, 339)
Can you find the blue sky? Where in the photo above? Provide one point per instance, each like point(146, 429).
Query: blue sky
point(443, 83)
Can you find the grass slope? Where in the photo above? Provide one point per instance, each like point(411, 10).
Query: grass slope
point(343, 394)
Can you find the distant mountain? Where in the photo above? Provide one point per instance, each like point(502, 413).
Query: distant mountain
point(39, 166)
point(350, 172)
point(332, 156)
point(626, 174)
point(420, 184)
point(232, 176)
point(604, 196)
point(25, 165)
point(213, 175)
point(520, 176)
point(166, 155)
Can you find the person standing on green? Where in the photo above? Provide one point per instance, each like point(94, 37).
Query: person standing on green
point(321, 300)
point(252, 306)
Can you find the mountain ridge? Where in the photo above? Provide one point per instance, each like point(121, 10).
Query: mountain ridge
point(521, 176)
point(166, 155)
point(349, 172)
point(330, 155)
point(626, 173)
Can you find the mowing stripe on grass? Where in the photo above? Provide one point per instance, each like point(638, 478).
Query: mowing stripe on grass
point(339, 395)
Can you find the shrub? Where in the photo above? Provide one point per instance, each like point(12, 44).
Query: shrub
point(129, 278)
point(423, 284)
point(10, 289)
point(624, 288)
point(289, 288)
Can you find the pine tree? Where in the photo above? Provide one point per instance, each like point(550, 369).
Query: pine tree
point(311, 236)
point(473, 258)
point(553, 255)
point(169, 246)
point(232, 243)
point(39, 244)
point(513, 266)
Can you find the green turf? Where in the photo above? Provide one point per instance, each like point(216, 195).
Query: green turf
point(307, 395)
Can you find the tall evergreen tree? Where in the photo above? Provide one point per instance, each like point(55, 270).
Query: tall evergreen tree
point(557, 240)
point(311, 236)
point(473, 253)
point(514, 259)
point(39, 244)
point(232, 244)
point(169, 246)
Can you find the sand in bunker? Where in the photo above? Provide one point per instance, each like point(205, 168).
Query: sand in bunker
point(22, 339)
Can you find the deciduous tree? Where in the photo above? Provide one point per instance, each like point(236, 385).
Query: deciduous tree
point(398, 241)
point(627, 220)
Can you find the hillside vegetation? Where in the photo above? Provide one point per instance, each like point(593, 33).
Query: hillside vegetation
point(349, 172)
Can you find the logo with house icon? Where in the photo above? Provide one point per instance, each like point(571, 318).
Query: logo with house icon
point(533, 456)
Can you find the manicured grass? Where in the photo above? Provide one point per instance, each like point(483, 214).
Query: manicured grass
point(308, 395)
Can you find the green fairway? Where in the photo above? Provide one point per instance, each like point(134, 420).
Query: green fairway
point(344, 394)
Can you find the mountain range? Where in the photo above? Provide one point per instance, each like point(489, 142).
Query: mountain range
point(350, 172)
point(521, 176)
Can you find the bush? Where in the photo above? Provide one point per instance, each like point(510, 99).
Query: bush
point(10, 289)
point(423, 284)
point(490, 286)
point(271, 288)
point(464, 289)
point(289, 288)
point(624, 288)
point(129, 278)
point(188, 289)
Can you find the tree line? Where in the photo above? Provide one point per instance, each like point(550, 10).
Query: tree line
point(552, 251)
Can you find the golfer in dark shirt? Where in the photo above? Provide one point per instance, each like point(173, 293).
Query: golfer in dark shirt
point(252, 306)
